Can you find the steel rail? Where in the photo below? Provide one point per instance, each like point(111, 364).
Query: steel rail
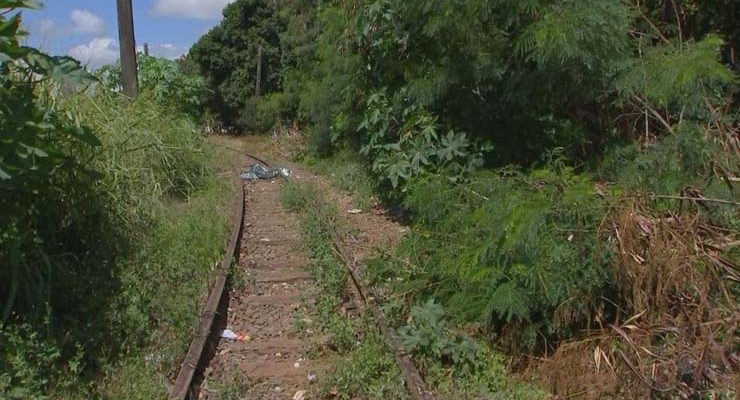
point(183, 386)
point(415, 384)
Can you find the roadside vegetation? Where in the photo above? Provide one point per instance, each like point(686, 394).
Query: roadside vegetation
point(455, 364)
point(569, 168)
point(112, 218)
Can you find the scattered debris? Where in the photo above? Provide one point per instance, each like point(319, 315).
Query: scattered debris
point(311, 377)
point(296, 365)
point(299, 395)
point(259, 171)
point(230, 335)
point(354, 211)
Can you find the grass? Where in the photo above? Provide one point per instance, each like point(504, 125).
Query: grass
point(365, 366)
point(165, 279)
point(347, 172)
point(169, 279)
point(127, 311)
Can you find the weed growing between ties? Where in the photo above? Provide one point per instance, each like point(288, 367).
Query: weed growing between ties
point(366, 366)
point(453, 363)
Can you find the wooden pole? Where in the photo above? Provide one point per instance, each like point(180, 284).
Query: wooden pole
point(259, 71)
point(127, 42)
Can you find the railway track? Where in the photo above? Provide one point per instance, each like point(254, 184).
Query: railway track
point(264, 237)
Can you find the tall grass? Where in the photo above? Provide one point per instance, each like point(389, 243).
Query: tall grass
point(125, 258)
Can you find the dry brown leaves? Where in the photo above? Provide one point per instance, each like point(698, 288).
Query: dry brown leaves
point(676, 333)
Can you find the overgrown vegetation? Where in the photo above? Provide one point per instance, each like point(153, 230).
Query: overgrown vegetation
point(528, 140)
point(369, 368)
point(108, 230)
point(168, 82)
point(455, 364)
point(570, 169)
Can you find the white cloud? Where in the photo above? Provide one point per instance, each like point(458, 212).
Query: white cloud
point(165, 50)
point(100, 51)
point(199, 9)
point(84, 21)
point(46, 26)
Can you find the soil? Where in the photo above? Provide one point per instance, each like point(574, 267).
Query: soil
point(277, 358)
point(272, 362)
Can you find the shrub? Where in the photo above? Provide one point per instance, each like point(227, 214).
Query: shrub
point(163, 80)
point(517, 252)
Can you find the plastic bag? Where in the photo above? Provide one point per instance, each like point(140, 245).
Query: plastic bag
point(259, 171)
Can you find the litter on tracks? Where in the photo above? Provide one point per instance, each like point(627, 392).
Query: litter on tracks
point(259, 171)
point(230, 335)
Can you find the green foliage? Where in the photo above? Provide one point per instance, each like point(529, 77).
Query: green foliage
point(86, 180)
point(110, 274)
point(163, 286)
point(227, 58)
point(163, 80)
point(678, 75)
point(48, 197)
point(684, 161)
point(453, 362)
point(541, 262)
point(599, 39)
point(369, 372)
point(322, 74)
point(26, 357)
point(405, 146)
point(428, 336)
point(590, 101)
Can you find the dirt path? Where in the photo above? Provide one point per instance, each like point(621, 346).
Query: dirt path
point(272, 363)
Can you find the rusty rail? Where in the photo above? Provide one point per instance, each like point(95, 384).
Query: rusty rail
point(414, 382)
point(182, 388)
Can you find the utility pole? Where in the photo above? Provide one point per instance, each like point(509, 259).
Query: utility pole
point(127, 43)
point(259, 71)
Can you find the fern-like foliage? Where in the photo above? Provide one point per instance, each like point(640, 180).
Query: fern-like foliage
point(591, 33)
point(677, 75)
point(509, 248)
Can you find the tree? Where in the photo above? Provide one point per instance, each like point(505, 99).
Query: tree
point(227, 57)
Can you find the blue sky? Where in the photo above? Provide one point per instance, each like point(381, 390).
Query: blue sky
point(88, 31)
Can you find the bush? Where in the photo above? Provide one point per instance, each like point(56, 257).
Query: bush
point(163, 80)
point(540, 269)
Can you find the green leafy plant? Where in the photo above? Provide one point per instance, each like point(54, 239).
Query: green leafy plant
point(42, 155)
point(409, 146)
point(165, 81)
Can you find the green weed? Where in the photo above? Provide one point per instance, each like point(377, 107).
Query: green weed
point(347, 172)
point(367, 368)
point(234, 388)
point(320, 225)
point(454, 363)
point(131, 261)
point(368, 372)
